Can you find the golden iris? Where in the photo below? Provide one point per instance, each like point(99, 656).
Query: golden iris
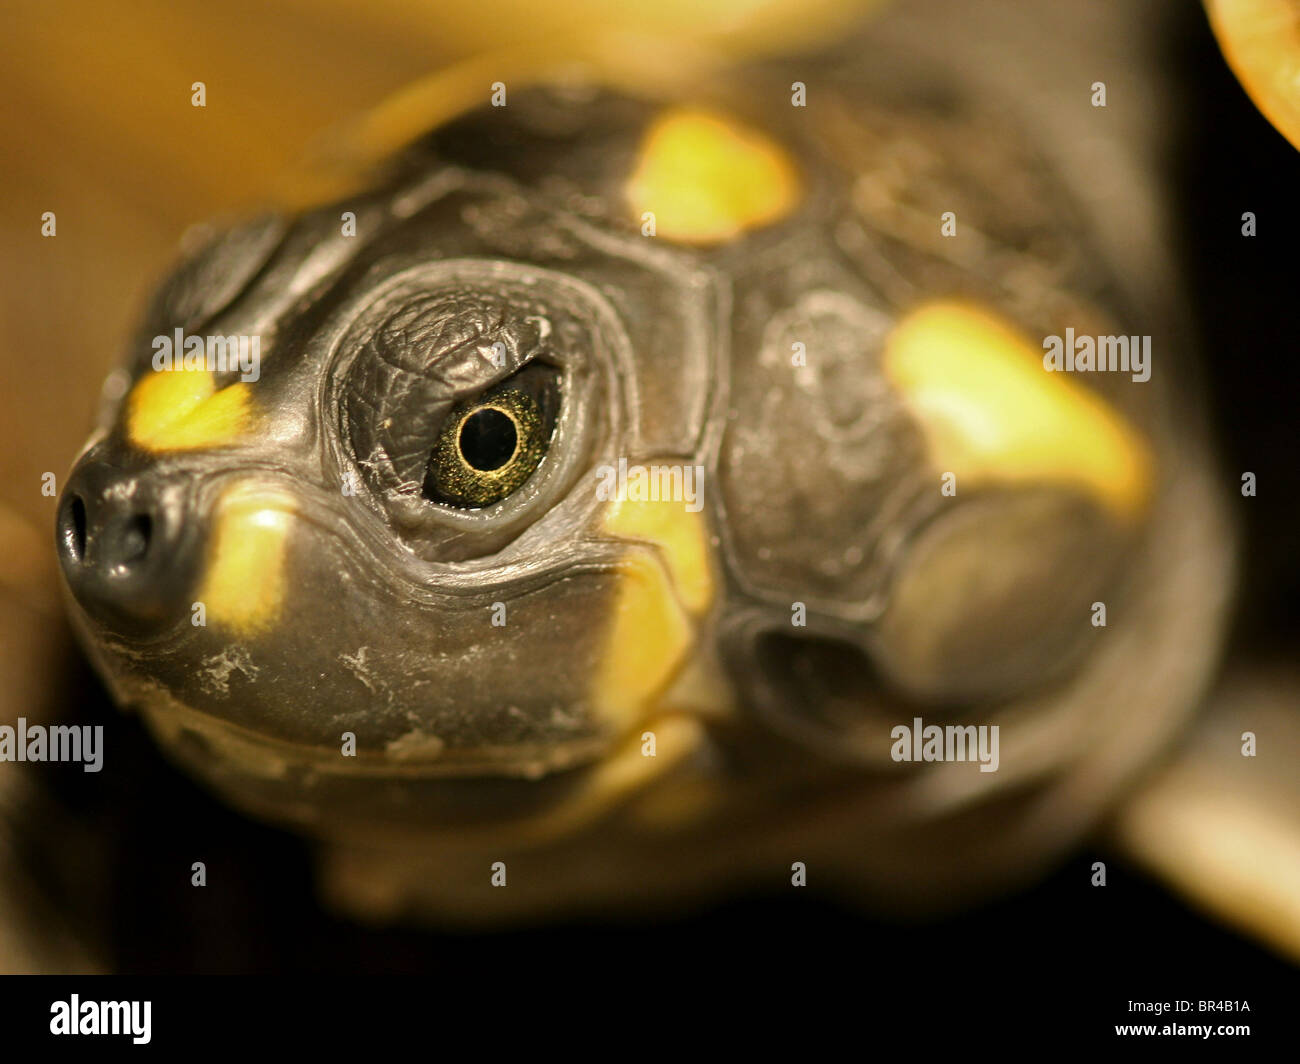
point(486, 449)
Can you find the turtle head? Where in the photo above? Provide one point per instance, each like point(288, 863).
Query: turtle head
point(414, 510)
point(352, 511)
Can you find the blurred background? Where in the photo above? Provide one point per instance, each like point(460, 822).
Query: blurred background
point(99, 128)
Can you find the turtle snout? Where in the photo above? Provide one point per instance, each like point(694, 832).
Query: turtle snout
point(122, 544)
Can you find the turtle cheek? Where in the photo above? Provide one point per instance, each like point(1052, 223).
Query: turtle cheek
point(127, 547)
point(999, 596)
point(1030, 528)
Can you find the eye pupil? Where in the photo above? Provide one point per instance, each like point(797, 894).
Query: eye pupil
point(488, 439)
point(490, 444)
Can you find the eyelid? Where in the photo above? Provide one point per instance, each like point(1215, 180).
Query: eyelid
point(466, 342)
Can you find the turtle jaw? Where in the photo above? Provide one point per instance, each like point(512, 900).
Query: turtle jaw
point(375, 800)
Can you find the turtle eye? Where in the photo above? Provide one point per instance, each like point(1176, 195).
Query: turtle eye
point(489, 445)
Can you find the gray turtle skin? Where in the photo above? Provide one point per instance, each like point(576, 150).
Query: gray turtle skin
point(506, 231)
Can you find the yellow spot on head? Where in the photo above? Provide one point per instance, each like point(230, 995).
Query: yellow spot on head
point(992, 414)
point(680, 535)
point(708, 179)
point(243, 588)
point(181, 410)
point(647, 641)
point(651, 633)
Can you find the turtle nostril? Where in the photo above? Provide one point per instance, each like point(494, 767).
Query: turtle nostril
point(135, 538)
point(76, 532)
point(122, 544)
point(127, 554)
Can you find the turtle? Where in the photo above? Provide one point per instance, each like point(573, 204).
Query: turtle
point(622, 495)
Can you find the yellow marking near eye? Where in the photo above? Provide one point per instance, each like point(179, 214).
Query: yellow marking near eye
point(651, 633)
point(992, 414)
point(1261, 42)
point(681, 535)
point(243, 588)
point(708, 179)
point(647, 656)
point(649, 638)
point(181, 410)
